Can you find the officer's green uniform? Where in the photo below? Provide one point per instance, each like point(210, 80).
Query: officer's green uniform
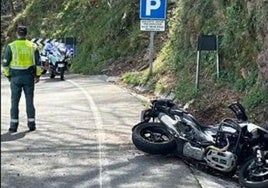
point(21, 65)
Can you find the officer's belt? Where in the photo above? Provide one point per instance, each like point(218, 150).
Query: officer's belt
point(20, 72)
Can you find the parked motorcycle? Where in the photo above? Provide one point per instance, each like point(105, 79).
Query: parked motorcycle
point(229, 147)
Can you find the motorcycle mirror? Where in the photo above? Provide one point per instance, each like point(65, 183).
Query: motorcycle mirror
point(239, 111)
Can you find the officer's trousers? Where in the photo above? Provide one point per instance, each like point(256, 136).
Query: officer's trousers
point(18, 83)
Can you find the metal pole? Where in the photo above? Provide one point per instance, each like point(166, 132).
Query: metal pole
point(218, 58)
point(151, 52)
point(73, 41)
point(197, 70)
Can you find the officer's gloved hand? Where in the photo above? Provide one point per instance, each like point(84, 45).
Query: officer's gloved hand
point(36, 79)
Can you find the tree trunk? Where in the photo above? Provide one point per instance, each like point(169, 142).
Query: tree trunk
point(23, 4)
point(13, 12)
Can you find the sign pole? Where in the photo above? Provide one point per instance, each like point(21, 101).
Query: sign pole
point(153, 16)
point(151, 52)
point(197, 70)
point(218, 61)
point(207, 43)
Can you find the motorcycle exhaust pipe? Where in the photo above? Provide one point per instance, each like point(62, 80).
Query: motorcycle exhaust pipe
point(168, 121)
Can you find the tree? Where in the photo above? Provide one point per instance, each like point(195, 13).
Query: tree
point(12, 9)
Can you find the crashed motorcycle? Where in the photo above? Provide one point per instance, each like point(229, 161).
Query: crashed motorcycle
point(233, 146)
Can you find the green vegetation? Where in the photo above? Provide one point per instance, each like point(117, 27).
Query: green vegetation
point(239, 23)
point(107, 30)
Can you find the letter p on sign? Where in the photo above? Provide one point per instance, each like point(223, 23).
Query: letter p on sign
point(153, 9)
point(152, 5)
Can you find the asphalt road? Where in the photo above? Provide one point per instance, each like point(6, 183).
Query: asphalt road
point(83, 140)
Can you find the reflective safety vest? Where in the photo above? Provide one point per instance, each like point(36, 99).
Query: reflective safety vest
point(23, 56)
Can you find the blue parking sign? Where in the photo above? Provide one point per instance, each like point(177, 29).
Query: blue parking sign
point(153, 9)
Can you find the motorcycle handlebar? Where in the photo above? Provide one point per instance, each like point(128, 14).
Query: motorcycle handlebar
point(230, 123)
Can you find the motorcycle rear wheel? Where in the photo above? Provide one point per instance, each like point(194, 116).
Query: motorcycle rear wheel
point(153, 138)
point(253, 176)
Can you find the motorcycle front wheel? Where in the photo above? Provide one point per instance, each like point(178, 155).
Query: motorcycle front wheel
point(153, 138)
point(252, 175)
point(62, 73)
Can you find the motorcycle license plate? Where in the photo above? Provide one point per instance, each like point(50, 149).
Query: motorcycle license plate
point(61, 65)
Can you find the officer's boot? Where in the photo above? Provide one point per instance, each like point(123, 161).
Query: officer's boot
point(13, 125)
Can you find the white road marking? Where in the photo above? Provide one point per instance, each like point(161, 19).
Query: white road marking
point(99, 125)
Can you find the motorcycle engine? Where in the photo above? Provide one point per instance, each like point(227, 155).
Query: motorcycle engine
point(223, 161)
point(193, 152)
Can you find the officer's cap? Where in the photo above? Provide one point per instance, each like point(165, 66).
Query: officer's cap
point(22, 30)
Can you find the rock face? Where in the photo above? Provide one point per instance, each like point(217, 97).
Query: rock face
point(263, 67)
point(263, 63)
point(263, 55)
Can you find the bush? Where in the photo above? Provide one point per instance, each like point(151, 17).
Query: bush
point(255, 97)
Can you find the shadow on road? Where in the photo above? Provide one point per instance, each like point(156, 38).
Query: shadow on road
point(6, 137)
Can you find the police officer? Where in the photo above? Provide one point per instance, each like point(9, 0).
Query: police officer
point(22, 67)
